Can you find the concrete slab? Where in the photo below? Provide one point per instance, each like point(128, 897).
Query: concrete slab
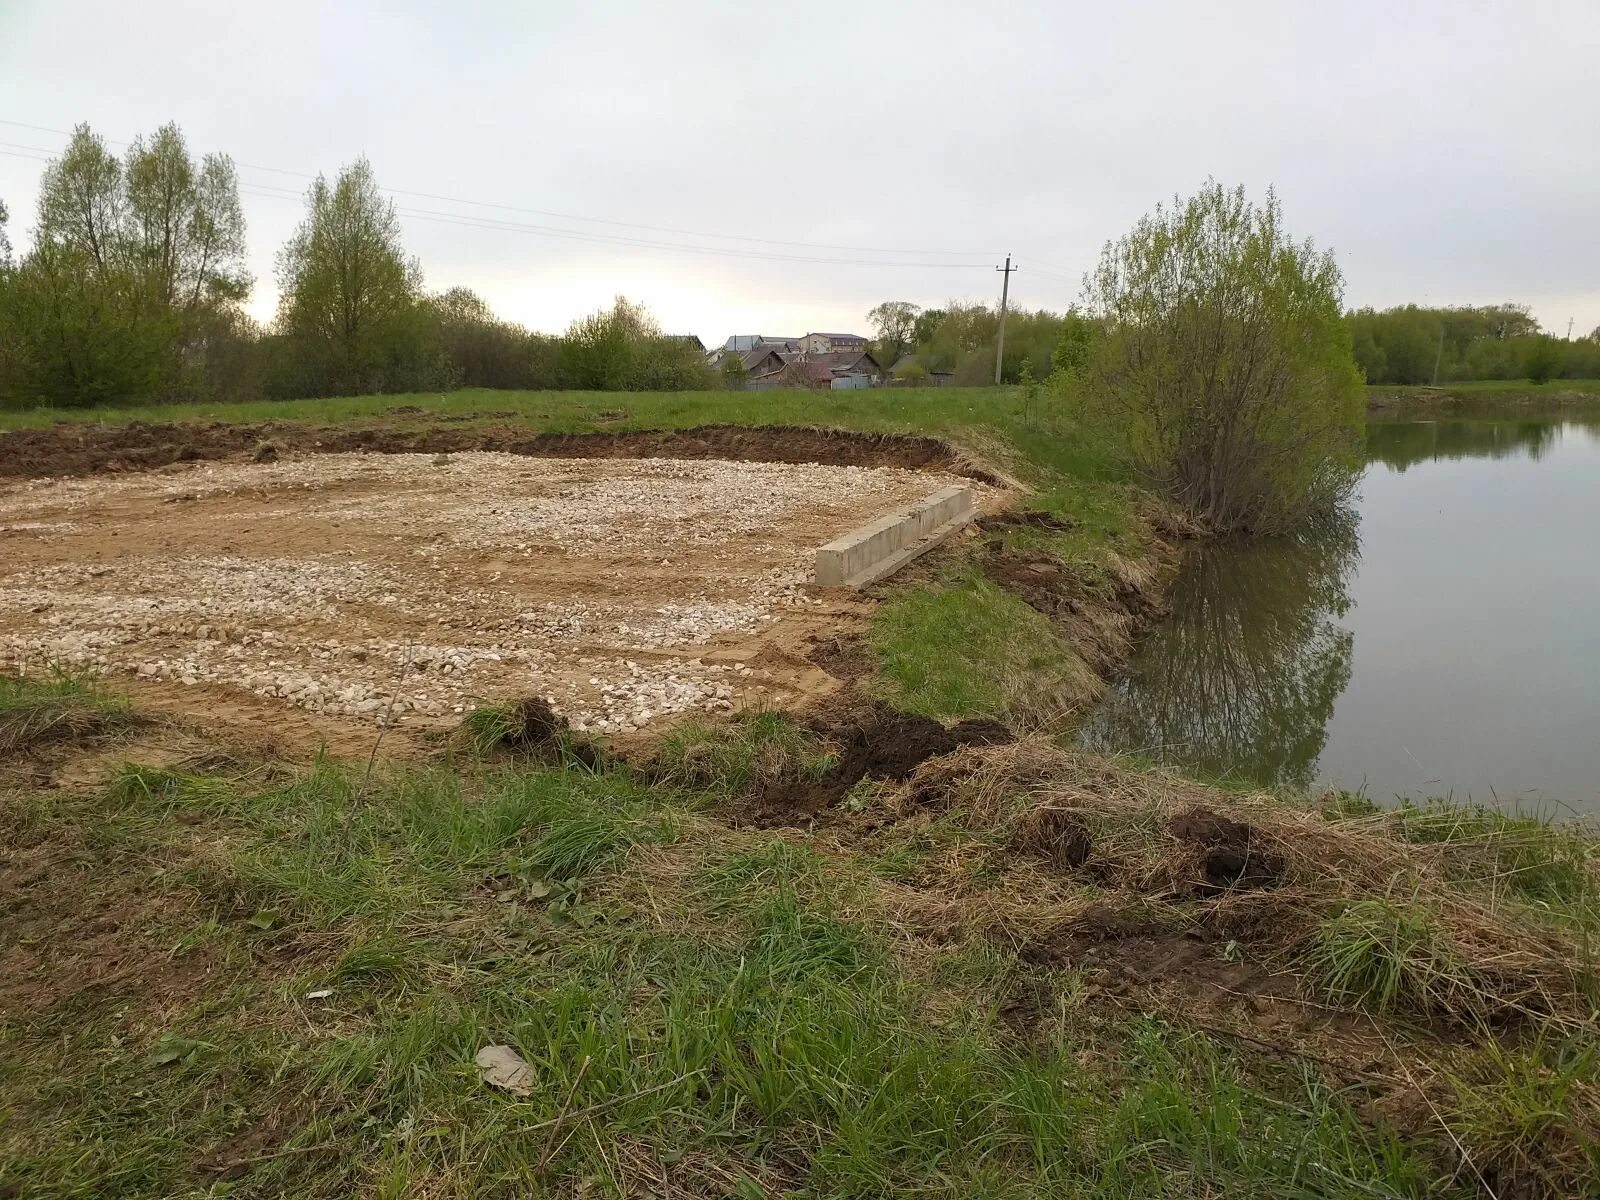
point(877, 550)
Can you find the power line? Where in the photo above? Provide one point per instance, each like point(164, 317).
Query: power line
point(571, 216)
point(469, 221)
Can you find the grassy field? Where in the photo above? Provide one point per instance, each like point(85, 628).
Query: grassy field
point(1009, 971)
point(917, 998)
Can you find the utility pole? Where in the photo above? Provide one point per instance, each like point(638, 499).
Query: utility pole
point(1437, 355)
point(1005, 291)
point(1569, 329)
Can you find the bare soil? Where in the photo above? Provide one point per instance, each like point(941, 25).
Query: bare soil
point(353, 588)
point(73, 448)
point(871, 741)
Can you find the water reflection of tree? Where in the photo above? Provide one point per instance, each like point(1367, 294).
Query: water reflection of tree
point(1241, 679)
point(1401, 444)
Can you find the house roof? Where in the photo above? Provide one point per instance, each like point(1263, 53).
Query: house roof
point(741, 342)
point(753, 359)
point(840, 337)
point(846, 361)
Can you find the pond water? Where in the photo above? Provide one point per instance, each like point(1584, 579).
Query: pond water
point(1441, 639)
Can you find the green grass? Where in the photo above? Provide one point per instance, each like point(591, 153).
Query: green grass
point(1527, 855)
point(1392, 957)
point(727, 759)
point(55, 706)
point(758, 1030)
point(962, 646)
point(1491, 388)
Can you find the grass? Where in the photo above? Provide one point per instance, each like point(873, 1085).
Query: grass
point(757, 749)
point(758, 1031)
point(1392, 957)
point(961, 645)
point(60, 706)
point(1491, 388)
point(302, 977)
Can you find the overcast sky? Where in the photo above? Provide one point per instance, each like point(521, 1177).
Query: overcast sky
point(1448, 152)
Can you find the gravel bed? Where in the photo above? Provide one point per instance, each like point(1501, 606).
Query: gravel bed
point(360, 585)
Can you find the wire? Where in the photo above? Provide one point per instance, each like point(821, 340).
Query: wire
point(468, 221)
point(538, 212)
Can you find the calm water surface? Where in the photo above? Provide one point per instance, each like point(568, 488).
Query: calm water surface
point(1442, 639)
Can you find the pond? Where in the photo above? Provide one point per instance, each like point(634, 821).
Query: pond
point(1441, 639)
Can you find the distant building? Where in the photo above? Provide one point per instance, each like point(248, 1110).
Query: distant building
point(844, 369)
point(818, 360)
point(743, 343)
point(687, 339)
point(831, 343)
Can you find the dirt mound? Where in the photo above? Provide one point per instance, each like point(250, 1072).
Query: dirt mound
point(1099, 616)
point(1226, 855)
point(74, 448)
point(844, 657)
point(871, 742)
point(532, 727)
point(1059, 837)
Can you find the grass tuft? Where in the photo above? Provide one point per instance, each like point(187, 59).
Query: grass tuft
point(58, 707)
point(728, 759)
point(1392, 958)
point(1529, 1118)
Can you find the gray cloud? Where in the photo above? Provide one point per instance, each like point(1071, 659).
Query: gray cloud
point(1444, 150)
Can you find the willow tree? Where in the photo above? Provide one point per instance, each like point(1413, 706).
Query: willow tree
point(1225, 373)
point(350, 301)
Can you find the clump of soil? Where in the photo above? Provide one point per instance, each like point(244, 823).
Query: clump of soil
point(846, 658)
point(870, 742)
point(532, 727)
point(266, 452)
point(1226, 855)
point(1056, 835)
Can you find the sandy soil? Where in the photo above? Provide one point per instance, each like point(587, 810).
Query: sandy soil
point(625, 590)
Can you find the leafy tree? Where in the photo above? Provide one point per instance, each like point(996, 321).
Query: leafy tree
point(135, 276)
point(896, 324)
point(1225, 375)
point(483, 350)
point(82, 202)
point(622, 349)
point(1542, 360)
point(5, 242)
point(734, 375)
point(186, 226)
point(927, 321)
point(913, 374)
point(350, 301)
point(75, 334)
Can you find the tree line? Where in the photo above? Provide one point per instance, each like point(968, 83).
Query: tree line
point(1401, 345)
point(133, 291)
point(959, 338)
point(1410, 345)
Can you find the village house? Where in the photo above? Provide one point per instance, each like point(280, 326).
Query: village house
point(817, 360)
point(832, 343)
point(744, 343)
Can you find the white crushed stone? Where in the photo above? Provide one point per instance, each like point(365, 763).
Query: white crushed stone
point(346, 584)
